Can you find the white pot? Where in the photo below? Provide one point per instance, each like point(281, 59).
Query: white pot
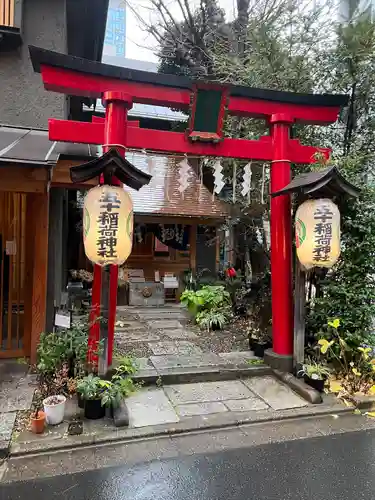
point(54, 412)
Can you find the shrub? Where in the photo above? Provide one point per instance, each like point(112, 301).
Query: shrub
point(210, 306)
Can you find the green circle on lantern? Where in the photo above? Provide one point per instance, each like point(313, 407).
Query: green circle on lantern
point(300, 232)
point(87, 222)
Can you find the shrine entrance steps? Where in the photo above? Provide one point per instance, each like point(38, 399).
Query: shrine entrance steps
point(167, 347)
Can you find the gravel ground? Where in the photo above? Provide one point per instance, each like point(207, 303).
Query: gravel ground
point(136, 349)
point(233, 338)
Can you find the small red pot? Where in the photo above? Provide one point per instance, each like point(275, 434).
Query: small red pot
point(37, 424)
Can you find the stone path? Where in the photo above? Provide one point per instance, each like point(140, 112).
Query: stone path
point(165, 343)
point(173, 403)
point(166, 348)
point(16, 394)
point(181, 407)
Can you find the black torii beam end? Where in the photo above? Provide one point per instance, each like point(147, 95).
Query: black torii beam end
point(110, 164)
point(326, 182)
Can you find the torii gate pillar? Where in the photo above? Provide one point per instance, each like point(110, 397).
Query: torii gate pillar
point(281, 245)
point(104, 290)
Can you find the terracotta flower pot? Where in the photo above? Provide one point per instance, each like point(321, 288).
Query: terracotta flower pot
point(38, 423)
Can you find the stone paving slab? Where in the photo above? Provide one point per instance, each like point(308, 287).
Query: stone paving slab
point(165, 324)
point(174, 347)
point(136, 336)
point(237, 358)
point(7, 421)
point(145, 368)
point(159, 314)
point(150, 407)
point(180, 334)
point(250, 404)
point(194, 409)
point(126, 325)
point(274, 393)
point(17, 394)
point(207, 391)
point(170, 362)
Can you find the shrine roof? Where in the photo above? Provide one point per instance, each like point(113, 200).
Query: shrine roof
point(325, 182)
point(32, 146)
point(41, 56)
point(161, 195)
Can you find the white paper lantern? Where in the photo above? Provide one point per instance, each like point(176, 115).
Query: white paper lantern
point(108, 225)
point(318, 233)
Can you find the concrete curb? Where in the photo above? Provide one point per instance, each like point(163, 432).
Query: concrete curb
point(191, 425)
point(215, 373)
point(4, 448)
point(365, 402)
point(300, 387)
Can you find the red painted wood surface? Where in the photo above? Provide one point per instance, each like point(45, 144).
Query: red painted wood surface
point(177, 142)
point(281, 242)
point(83, 84)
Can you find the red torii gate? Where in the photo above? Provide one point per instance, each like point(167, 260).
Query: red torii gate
point(120, 87)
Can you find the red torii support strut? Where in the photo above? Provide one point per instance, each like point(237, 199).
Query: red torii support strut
point(120, 87)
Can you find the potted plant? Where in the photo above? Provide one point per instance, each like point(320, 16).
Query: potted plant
point(54, 408)
point(259, 342)
point(80, 400)
point(315, 375)
point(37, 421)
point(92, 389)
point(118, 389)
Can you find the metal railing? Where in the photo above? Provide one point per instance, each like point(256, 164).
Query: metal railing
point(7, 13)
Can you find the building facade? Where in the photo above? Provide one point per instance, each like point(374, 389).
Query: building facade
point(35, 185)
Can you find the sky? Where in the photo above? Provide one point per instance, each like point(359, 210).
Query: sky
point(140, 45)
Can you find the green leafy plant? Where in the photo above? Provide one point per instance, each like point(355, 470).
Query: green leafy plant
point(93, 387)
point(353, 365)
point(256, 362)
point(211, 305)
point(315, 371)
point(117, 390)
point(126, 365)
point(213, 318)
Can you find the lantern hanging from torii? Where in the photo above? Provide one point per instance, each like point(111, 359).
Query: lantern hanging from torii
point(317, 225)
point(108, 225)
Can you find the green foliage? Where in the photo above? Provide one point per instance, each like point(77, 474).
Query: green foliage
point(353, 364)
point(256, 362)
point(55, 349)
point(208, 297)
point(116, 391)
point(126, 365)
point(92, 387)
point(62, 359)
point(211, 305)
point(213, 319)
point(289, 45)
point(315, 371)
point(110, 392)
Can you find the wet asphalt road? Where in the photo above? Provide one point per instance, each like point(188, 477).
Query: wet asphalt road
point(337, 467)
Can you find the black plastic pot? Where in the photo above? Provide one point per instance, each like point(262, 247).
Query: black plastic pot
point(252, 343)
point(317, 384)
point(259, 348)
point(80, 400)
point(94, 409)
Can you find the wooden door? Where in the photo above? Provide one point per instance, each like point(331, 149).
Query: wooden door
point(12, 274)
